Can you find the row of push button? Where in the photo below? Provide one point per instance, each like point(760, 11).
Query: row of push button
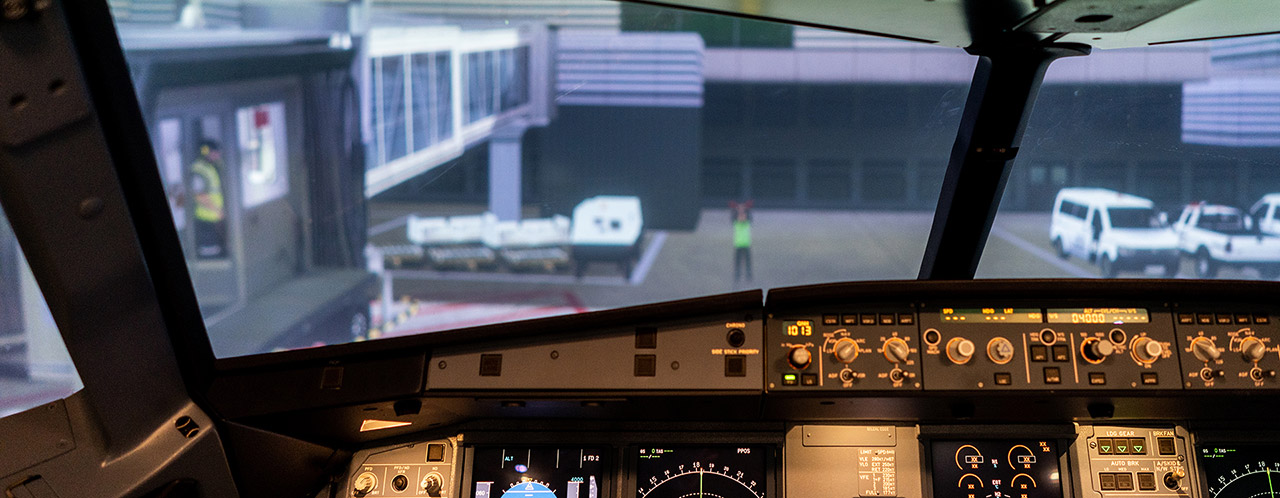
point(1123, 481)
point(791, 379)
point(1223, 318)
point(1061, 353)
point(1122, 446)
point(869, 319)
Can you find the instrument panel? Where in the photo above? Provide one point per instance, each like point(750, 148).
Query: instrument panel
point(967, 392)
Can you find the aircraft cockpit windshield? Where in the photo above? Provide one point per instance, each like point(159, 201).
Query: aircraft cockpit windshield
point(340, 173)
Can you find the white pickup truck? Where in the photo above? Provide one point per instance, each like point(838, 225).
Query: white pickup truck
point(1214, 236)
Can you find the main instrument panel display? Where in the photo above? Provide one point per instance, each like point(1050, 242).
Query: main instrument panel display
point(996, 468)
point(538, 473)
point(706, 471)
point(1241, 470)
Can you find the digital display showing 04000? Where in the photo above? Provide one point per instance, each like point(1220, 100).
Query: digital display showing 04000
point(1116, 316)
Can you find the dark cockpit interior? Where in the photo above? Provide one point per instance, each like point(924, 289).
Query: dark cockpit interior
point(639, 249)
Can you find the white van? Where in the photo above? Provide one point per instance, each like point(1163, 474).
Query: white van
point(1120, 232)
point(1266, 213)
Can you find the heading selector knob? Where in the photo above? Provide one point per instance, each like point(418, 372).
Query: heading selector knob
point(1204, 349)
point(845, 350)
point(1252, 349)
point(1146, 350)
point(799, 357)
point(1095, 350)
point(959, 350)
point(896, 350)
point(1000, 350)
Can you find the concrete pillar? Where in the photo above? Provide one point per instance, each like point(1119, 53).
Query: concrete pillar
point(504, 171)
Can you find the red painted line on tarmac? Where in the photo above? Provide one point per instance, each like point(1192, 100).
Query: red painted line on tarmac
point(573, 300)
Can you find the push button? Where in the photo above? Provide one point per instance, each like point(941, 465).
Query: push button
point(1164, 445)
point(1104, 446)
point(1039, 353)
point(646, 365)
point(735, 365)
point(887, 319)
point(1146, 481)
point(1124, 481)
point(1121, 446)
point(1204, 319)
point(1097, 379)
point(1107, 481)
point(1186, 318)
point(849, 319)
point(1223, 319)
point(790, 379)
point(435, 452)
point(1052, 375)
point(1150, 379)
point(809, 379)
point(1261, 319)
point(1138, 446)
point(868, 318)
point(830, 319)
point(1061, 353)
point(1243, 319)
point(906, 319)
point(1004, 379)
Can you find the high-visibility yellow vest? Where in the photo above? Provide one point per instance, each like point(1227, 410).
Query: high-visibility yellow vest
point(205, 172)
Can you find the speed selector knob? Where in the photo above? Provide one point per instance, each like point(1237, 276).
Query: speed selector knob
point(1095, 350)
point(1252, 349)
point(1204, 349)
point(845, 350)
point(959, 350)
point(896, 350)
point(1147, 350)
point(800, 357)
point(1000, 350)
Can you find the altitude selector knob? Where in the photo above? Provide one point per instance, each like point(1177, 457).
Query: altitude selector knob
point(1000, 350)
point(1147, 350)
point(800, 357)
point(959, 350)
point(1204, 349)
point(1252, 349)
point(845, 350)
point(1096, 350)
point(896, 350)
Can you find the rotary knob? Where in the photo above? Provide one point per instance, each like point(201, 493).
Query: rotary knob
point(845, 350)
point(1252, 349)
point(1000, 350)
point(364, 484)
point(799, 357)
point(1146, 350)
point(896, 350)
point(1096, 350)
point(1204, 349)
point(959, 350)
point(432, 484)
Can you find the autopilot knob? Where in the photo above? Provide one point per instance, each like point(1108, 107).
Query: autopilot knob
point(896, 350)
point(845, 350)
point(1147, 350)
point(1252, 349)
point(1096, 350)
point(1204, 349)
point(959, 350)
point(799, 357)
point(1000, 350)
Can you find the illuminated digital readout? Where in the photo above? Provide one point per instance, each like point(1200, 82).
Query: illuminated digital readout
point(1010, 468)
point(988, 315)
point(802, 328)
point(1116, 316)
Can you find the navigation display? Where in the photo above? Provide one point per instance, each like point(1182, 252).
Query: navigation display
point(989, 315)
point(1020, 468)
point(1233, 470)
point(720, 471)
point(1115, 316)
point(538, 473)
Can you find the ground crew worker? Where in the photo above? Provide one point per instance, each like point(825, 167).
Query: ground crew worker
point(210, 209)
point(741, 239)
